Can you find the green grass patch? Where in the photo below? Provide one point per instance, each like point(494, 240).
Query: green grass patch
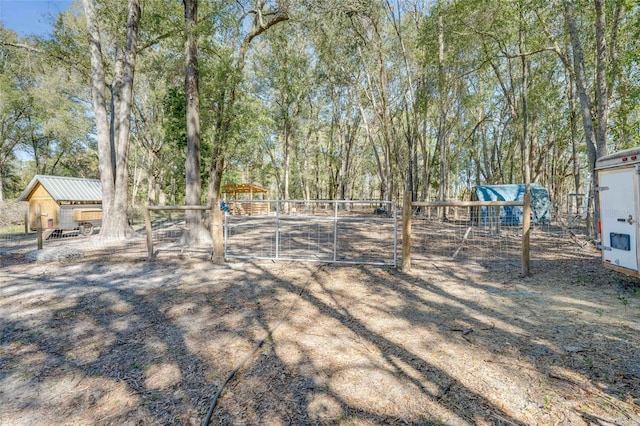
point(12, 230)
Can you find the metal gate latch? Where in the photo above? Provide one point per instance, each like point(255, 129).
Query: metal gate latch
point(630, 220)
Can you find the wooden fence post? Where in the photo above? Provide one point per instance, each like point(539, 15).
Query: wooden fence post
point(406, 232)
point(217, 231)
point(39, 225)
point(147, 225)
point(526, 234)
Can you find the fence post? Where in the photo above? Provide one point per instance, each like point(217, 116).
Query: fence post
point(217, 231)
point(406, 232)
point(277, 236)
point(147, 225)
point(335, 231)
point(393, 206)
point(225, 232)
point(39, 225)
point(526, 234)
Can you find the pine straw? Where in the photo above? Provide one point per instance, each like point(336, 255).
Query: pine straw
point(110, 338)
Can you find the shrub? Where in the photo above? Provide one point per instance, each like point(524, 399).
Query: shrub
point(12, 213)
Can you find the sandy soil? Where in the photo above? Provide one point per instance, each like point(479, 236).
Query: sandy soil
point(110, 338)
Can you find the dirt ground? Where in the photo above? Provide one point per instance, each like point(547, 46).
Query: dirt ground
point(106, 337)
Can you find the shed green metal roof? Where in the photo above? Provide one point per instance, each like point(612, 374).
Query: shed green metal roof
point(62, 188)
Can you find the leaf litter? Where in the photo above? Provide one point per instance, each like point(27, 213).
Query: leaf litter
point(110, 338)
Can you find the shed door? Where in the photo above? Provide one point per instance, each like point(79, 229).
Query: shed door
point(618, 217)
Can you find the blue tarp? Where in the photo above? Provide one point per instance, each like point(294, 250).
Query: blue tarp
point(540, 203)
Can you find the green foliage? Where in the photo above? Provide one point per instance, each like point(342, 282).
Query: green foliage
point(348, 96)
point(175, 135)
point(175, 128)
point(44, 111)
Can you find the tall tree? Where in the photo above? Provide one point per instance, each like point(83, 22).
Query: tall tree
point(14, 105)
point(263, 15)
point(595, 131)
point(114, 183)
point(193, 190)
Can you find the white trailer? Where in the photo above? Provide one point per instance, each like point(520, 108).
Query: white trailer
point(618, 190)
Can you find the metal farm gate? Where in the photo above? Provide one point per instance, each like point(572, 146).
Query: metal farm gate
point(356, 232)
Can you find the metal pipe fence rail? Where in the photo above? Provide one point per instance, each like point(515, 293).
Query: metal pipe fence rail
point(351, 232)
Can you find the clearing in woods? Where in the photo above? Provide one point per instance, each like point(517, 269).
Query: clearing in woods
point(111, 338)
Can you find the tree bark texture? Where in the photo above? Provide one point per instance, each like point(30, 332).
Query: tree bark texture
point(196, 231)
point(123, 118)
point(98, 91)
point(114, 188)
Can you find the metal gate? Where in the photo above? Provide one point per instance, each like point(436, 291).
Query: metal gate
point(356, 232)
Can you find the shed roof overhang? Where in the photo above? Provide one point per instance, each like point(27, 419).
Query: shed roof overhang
point(62, 188)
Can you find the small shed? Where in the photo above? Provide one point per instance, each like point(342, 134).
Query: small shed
point(512, 215)
point(240, 197)
point(65, 202)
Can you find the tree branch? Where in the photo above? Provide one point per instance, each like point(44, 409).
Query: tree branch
point(259, 28)
point(33, 49)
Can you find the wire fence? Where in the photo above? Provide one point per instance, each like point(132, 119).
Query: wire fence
point(363, 232)
point(19, 230)
point(455, 234)
point(181, 230)
point(14, 229)
point(491, 236)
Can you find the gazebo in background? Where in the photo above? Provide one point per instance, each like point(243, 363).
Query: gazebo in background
point(241, 198)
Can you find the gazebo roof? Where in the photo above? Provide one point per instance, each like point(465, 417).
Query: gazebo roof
point(243, 188)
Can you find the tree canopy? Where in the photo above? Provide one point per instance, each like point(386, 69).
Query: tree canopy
point(321, 99)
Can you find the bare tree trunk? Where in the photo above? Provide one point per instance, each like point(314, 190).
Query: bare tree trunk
point(224, 119)
point(98, 87)
point(348, 137)
point(602, 114)
point(602, 95)
point(442, 137)
point(381, 169)
point(120, 199)
point(585, 103)
point(114, 91)
point(196, 232)
point(426, 170)
point(114, 188)
point(286, 165)
point(388, 182)
point(573, 123)
point(152, 195)
point(525, 150)
point(192, 165)
point(304, 176)
point(138, 176)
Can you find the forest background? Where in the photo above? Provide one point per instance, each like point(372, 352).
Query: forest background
point(165, 101)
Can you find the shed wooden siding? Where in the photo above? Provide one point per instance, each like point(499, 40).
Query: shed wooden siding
point(48, 207)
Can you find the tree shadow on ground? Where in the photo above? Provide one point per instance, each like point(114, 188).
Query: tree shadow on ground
point(116, 340)
point(397, 359)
